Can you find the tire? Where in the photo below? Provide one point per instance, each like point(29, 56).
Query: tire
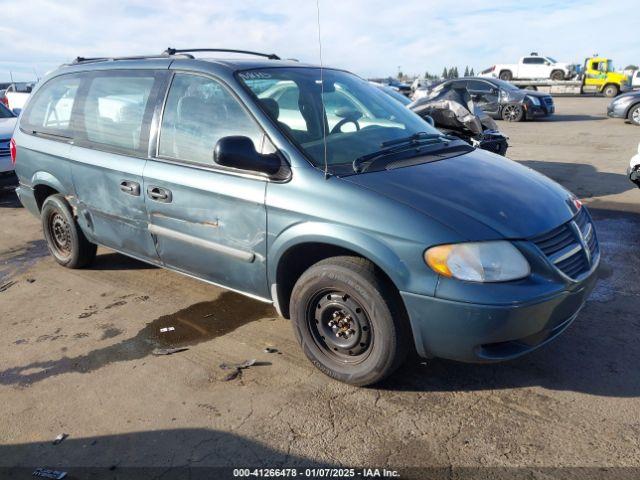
point(65, 240)
point(557, 75)
point(506, 75)
point(610, 90)
point(634, 114)
point(513, 112)
point(349, 321)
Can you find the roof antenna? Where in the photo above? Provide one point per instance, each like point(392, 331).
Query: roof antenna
point(324, 121)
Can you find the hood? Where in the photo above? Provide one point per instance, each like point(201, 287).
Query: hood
point(625, 95)
point(534, 93)
point(7, 125)
point(512, 200)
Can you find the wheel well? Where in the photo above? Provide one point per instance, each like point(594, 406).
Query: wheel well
point(505, 70)
point(631, 107)
point(41, 192)
point(295, 261)
point(610, 84)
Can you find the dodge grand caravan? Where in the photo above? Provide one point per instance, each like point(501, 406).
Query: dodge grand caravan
point(311, 189)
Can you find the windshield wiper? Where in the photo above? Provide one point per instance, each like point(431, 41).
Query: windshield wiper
point(398, 145)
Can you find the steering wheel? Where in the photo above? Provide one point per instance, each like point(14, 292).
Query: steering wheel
point(347, 115)
point(342, 122)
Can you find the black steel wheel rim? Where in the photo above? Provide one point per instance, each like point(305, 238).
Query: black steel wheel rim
point(60, 234)
point(340, 326)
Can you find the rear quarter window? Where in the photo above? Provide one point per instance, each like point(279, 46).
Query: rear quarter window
point(49, 111)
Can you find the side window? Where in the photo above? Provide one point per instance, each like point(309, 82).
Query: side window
point(198, 112)
point(50, 110)
point(477, 86)
point(528, 60)
point(114, 110)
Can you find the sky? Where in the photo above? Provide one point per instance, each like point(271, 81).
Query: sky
point(373, 38)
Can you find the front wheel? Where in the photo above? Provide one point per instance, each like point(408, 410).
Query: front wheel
point(506, 75)
point(557, 75)
point(65, 239)
point(513, 113)
point(634, 115)
point(349, 321)
point(610, 90)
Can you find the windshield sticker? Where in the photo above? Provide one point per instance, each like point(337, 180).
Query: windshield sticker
point(254, 75)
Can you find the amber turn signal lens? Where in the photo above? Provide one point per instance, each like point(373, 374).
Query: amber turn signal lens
point(436, 258)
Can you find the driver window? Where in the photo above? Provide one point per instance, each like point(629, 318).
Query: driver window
point(199, 111)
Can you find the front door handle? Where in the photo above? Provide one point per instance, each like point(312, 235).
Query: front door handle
point(159, 194)
point(130, 187)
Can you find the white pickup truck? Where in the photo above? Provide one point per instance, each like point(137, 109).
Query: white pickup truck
point(16, 95)
point(530, 67)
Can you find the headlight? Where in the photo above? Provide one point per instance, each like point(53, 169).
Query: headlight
point(534, 100)
point(497, 261)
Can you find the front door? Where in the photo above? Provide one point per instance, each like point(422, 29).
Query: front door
point(207, 221)
point(109, 155)
point(484, 95)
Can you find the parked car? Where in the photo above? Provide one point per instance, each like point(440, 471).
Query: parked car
point(633, 172)
point(7, 125)
point(16, 95)
point(376, 235)
point(635, 79)
point(530, 67)
point(393, 93)
point(626, 106)
point(499, 99)
point(453, 112)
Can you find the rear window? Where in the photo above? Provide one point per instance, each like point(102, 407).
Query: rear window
point(50, 109)
point(113, 113)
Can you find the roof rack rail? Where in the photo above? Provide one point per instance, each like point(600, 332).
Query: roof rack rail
point(129, 57)
point(174, 51)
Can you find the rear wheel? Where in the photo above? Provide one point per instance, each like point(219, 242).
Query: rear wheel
point(349, 320)
point(610, 90)
point(634, 115)
point(506, 75)
point(557, 75)
point(65, 239)
point(513, 112)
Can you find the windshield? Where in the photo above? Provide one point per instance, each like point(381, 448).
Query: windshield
point(5, 112)
point(358, 118)
point(552, 60)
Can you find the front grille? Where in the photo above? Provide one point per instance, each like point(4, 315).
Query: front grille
point(571, 247)
point(548, 101)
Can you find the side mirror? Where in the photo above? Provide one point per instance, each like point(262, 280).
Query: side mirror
point(17, 111)
point(239, 152)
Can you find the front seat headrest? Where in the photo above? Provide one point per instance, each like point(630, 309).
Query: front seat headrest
point(271, 106)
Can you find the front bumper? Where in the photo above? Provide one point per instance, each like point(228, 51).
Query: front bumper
point(618, 110)
point(538, 111)
point(477, 333)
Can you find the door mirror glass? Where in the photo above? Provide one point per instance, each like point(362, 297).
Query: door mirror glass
point(17, 111)
point(239, 152)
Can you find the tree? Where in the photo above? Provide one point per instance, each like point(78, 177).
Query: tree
point(454, 72)
point(400, 75)
point(466, 71)
point(445, 73)
point(631, 67)
point(471, 73)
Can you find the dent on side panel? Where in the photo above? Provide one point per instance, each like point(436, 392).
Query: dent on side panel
point(214, 228)
point(107, 214)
